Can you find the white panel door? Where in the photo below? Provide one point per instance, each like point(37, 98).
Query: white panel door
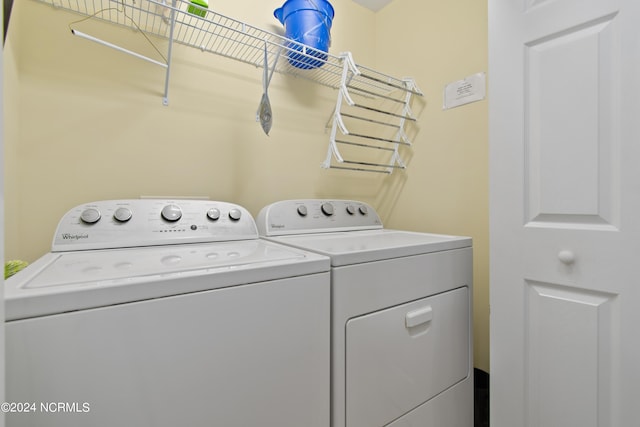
point(565, 212)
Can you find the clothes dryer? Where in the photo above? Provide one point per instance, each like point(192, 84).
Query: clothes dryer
point(165, 313)
point(401, 314)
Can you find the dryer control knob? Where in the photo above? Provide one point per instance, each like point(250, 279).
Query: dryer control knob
point(122, 214)
point(235, 214)
point(363, 210)
point(90, 216)
point(213, 214)
point(327, 209)
point(171, 213)
point(351, 210)
point(302, 210)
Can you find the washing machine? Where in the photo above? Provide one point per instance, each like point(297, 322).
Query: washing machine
point(401, 314)
point(165, 313)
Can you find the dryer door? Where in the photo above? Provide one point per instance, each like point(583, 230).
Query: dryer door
point(401, 357)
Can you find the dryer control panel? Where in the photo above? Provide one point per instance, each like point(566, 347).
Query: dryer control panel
point(150, 222)
point(316, 216)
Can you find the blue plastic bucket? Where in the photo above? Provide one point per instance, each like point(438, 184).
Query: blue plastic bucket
point(307, 22)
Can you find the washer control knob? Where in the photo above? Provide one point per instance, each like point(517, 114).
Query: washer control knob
point(90, 216)
point(327, 209)
point(122, 214)
point(235, 214)
point(302, 210)
point(213, 214)
point(363, 210)
point(171, 213)
point(351, 210)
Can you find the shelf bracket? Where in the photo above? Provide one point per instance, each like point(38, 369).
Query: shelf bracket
point(165, 98)
point(116, 47)
point(166, 65)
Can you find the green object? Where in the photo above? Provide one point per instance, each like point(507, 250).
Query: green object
point(12, 267)
point(196, 11)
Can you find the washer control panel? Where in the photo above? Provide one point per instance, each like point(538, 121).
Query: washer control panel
point(316, 216)
point(151, 222)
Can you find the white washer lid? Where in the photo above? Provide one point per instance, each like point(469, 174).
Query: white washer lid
point(354, 247)
point(67, 281)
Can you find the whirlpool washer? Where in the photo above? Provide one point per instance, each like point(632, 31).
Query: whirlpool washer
point(165, 313)
point(401, 314)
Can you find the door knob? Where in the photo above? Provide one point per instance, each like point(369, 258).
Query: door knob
point(566, 257)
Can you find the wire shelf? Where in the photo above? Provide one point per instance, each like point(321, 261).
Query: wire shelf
point(231, 38)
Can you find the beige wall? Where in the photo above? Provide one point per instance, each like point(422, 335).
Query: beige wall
point(84, 123)
point(445, 188)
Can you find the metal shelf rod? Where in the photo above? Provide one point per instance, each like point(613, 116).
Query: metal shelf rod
point(389, 113)
point(397, 86)
point(339, 141)
point(359, 169)
point(351, 162)
point(370, 120)
point(377, 138)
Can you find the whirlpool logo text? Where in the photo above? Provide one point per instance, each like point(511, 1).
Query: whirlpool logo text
point(69, 236)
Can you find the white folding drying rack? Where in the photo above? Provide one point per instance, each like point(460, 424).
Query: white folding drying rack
point(186, 23)
point(395, 117)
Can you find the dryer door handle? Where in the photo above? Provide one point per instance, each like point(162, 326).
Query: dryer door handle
point(418, 317)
